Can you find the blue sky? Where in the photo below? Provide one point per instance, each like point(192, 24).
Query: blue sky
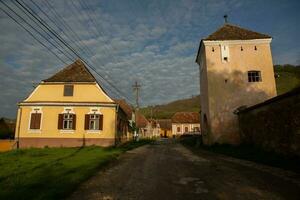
point(151, 41)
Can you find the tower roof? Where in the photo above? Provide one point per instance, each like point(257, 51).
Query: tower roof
point(75, 72)
point(233, 32)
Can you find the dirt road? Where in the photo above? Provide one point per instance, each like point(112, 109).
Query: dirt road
point(167, 170)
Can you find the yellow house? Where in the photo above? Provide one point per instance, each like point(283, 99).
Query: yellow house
point(236, 71)
point(69, 109)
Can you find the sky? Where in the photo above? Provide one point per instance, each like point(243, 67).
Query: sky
point(154, 42)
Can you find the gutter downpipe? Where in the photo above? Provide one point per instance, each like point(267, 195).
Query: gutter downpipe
point(19, 125)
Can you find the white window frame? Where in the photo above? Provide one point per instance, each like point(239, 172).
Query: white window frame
point(94, 111)
point(67, 110)
point(68, 118)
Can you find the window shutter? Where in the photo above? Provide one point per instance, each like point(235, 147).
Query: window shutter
point(32, 120)
point(86, 122)
point(35, 120)
point(60, 121)
point(101, 122)
point(38, 120)
point(74, 122)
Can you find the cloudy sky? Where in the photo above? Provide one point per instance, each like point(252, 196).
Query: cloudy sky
point(153, 42)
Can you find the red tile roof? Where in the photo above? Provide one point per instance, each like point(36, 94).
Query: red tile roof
point(233, 32)
point(165, 123)
point(75, 72)
point(141, 121)
point(186, 117)
point(125, 107)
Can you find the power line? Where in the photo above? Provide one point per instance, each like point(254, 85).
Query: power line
point(28, 31)
point(64, 24)
point(49, 35)
point(44, 24)
point(34, 29)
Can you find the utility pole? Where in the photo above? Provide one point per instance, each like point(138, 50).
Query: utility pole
point(136, 87)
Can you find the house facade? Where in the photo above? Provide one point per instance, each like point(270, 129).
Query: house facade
point(69, 109)
point(185, 123)
point(165, 127)
point(130, 116)
point(236, 71)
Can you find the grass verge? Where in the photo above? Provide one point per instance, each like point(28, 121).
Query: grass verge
point(246, 152)
point(52, 173)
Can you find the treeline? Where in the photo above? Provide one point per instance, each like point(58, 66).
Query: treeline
point(7, 128)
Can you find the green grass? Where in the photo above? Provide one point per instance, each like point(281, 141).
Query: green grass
point(52, 173)
point(289, 78)
point(246, 152)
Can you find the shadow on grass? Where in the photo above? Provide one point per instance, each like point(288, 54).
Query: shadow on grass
point(58, 178)
point(246, 152)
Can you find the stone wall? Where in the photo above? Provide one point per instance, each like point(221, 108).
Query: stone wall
point(273, 125)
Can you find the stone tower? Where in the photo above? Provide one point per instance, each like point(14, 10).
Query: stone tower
point(236, 70)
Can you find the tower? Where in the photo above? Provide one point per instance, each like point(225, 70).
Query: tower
point(236, 70)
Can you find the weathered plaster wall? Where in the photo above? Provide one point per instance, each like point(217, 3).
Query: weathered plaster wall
point(228, 87)
point(274, 126)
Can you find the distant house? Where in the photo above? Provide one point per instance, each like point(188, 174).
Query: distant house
point(130, 114)
point(143, 125)
point(185, 122)
point(236, 70)
point(70, 109)
point(165, 126)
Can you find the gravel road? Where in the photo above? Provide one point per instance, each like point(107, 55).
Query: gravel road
point(167, 170)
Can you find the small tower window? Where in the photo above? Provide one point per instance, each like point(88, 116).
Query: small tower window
point(224, 53)
point(213, 49)
point(255, 48)
point(254, 76)
point(242, 48)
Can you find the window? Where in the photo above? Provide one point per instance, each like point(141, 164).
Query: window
point(186, 129)
point(68, 90)
point(254, 76)
point(35, 120)
point(225, 53)
point(93, 122)
point(68, 121)
point(178, 129)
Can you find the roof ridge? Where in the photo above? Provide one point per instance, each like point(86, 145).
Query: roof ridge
point(75, 72)
point(235, 32)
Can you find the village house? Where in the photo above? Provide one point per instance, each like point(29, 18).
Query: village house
point(70, 109)
point(165, 127)
point(143, 126)
point(130, 114)
point(236, 71)
point(185, 123)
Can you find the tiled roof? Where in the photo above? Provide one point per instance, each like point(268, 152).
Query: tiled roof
point(75, 72)
point(232, 32)
point(141, 121)
point(165, 123)
point(125, 107)
point(186, 117)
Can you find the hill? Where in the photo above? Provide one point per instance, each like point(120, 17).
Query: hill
point(287, 78)
point(166, 111)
